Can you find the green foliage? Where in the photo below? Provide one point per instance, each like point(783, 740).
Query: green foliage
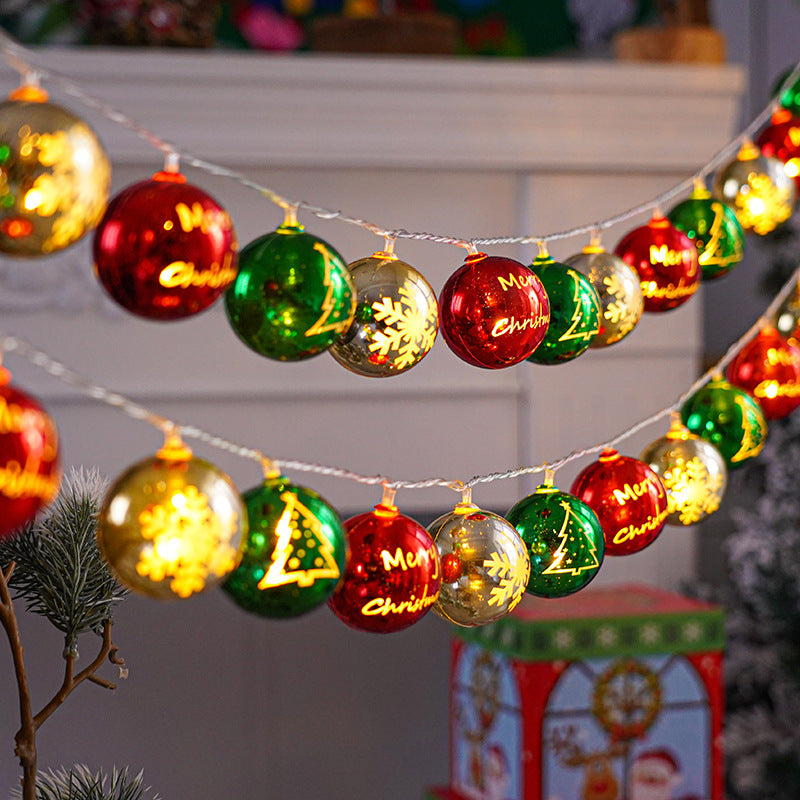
point(79, 783)
point(60, 572)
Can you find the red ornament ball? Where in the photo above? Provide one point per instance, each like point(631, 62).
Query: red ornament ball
point(29, 473)
point(629, 499)
point(768, 368)
point(781, 140)
point(493, 311)
point(393, 575)
point(165, 249)
point(665, 259)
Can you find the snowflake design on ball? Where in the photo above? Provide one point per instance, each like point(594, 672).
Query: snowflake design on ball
point(692, 492)
point(189, 542)
point(513, 578)
point(409, 327)
point(618, 312)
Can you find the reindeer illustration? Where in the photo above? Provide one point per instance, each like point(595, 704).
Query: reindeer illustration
point(599, 780)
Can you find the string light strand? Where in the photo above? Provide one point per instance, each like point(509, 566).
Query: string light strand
point(23, 60)
point(40, 359)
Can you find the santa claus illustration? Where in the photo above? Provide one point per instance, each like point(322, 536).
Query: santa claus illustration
point(654, 775)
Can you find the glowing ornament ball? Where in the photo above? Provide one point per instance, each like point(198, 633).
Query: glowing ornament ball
point(485, 565)
point(666, 261)
point(294, 553)
point(787, 317)
point(165, 249)
point(54, 175)
point(574, 311)
point(713, 228)
point(728, 418)
point(293, 296)
point(693, 473)
point(493, 311)
point(393, 574)
point(171, 525)
point(29, 472)
point(781, 140)
point(768, 368)
point(757, 188)
point(395, 322)
point(564, 540)
point(629, 499)
point(618, 289)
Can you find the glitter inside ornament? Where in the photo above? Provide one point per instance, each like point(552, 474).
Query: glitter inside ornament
point(713, 228)
point(618, 289)
point(170, 526)
point(493, 311)
point(485, 565)
point(757, 188)
point(29, 472)
point(575, 311)
point(396, 318)
point(294, 553)
point(628, 498)
point(693, 473)
point(293, 296)
point(665, 260)
point(728, 418)
point(165, 249)
point(54, 175)
point(564, 540)
point(768, 368)
point(393, 574)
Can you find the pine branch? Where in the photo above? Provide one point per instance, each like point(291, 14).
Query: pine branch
point(79, 783)
point(60, 571)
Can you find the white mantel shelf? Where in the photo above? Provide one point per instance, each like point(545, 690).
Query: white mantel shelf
point(365, 111)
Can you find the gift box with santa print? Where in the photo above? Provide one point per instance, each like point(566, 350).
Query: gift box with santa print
point(609, 694)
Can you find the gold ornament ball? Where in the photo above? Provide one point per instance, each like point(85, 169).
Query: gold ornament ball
point(485, 565)
point(787, 317)
point(693, 472)
point(396, 319)
point(758, 189)
point(171, 525)
point(619, 289)
point(54, 176)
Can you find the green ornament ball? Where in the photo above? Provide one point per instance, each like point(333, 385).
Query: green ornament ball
point(575, 312)
point(564, 539)
point(714, 229)
point(728, 418)
point(295, 554)
point(293, 296)
point(790, 96)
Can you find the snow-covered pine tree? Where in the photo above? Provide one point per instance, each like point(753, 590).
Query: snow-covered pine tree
point(762, 666)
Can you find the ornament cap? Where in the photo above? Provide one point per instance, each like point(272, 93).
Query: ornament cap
point(473, 258)
point(169, 177)
point(29, 93)
point(748, 151)
point(677, 430)
point(174, 449)
point(781, 115)
point(594, 247)
point(385, 511)
point(700, 192)
point(658, 221)
point(465, 508)
point(609, 454)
